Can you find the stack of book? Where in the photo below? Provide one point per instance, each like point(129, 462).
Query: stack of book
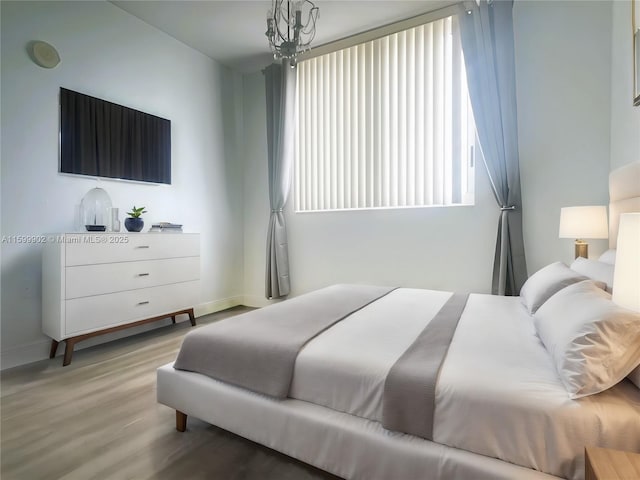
point(166, 227)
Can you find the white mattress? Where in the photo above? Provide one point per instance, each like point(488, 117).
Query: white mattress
point(498, 393)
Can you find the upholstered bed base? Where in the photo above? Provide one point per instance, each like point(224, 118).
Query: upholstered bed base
point(345, 445)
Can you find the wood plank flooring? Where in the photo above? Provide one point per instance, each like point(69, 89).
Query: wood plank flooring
point(98, 419)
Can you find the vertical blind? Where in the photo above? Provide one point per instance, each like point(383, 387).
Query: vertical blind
point(385, 124)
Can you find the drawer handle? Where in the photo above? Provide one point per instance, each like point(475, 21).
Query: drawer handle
point(142, 246)
point(143, 303)
point(143, 274)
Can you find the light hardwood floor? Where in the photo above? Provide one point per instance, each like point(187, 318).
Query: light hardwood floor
point(98, 419)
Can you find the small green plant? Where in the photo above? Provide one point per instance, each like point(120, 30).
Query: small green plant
point(136, 212)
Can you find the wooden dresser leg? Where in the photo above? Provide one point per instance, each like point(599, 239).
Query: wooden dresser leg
point(192, 317)
point(54, 349)
point(68, 352)
point(181, 421)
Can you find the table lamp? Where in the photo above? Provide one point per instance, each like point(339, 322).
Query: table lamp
point(583, 222)
point(626, 276)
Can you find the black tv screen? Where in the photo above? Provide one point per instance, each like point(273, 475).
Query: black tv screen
point(104, 139)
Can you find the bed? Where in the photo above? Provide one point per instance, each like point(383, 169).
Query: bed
point(500, 409)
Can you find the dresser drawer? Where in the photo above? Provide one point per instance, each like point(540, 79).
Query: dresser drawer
point(87, 314)
point(86, 280)
point(88, 249)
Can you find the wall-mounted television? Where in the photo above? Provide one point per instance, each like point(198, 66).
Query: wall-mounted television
point(104, 139)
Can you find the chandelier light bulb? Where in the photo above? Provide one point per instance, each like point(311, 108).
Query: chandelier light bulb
point(291, 27)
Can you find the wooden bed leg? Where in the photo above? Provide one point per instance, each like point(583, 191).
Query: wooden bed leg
point(181, 421)
point(192, 317)
point(173, 319)
point(54, 349)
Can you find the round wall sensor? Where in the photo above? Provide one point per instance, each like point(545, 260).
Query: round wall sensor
point(45, 54)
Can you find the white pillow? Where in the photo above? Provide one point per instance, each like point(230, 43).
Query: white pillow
point(608, 257)
point(595, 270)
point(545, 282)
point(634, 376)
point(593, 342)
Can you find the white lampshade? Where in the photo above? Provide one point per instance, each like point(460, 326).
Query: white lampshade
point(626, 277)
point(584, 222)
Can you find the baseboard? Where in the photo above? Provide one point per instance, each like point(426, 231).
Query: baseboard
point(218, 305)
point(257, 301)
point(23, 354)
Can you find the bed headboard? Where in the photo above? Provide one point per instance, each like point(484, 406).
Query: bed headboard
point(624, 196)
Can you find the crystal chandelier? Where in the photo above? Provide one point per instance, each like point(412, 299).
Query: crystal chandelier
point(291, 27)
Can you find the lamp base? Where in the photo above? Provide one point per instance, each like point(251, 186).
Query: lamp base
point(582, 249)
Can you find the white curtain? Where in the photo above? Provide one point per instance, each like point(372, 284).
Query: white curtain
point(280, 84)
point(487, 42)
point(385, 123)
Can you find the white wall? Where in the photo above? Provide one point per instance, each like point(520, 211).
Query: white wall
point(256, 188)
point(563, 64)
point(441, 248)
point(112, 55)
point(625, 118)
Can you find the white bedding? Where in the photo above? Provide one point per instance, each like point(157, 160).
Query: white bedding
point(498, 393)
point(334, 371)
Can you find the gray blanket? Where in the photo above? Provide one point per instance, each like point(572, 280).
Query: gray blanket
point(258, 350)
point(410, 388)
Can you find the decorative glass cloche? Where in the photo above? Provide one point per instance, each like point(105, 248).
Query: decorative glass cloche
point(94, 210)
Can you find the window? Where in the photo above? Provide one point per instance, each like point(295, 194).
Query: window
point(386, 124)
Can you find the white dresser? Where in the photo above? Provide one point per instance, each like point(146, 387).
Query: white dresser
point(96, 283)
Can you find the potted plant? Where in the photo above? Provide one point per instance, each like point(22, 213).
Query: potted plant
point(134, 222)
